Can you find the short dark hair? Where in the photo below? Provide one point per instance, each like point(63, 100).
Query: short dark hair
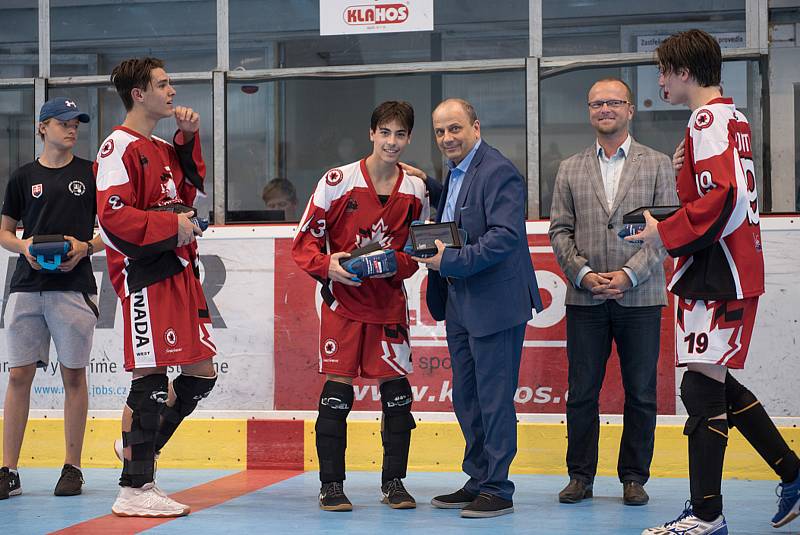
point(628, 90)
point(390, 110)
point(693, 50)
point(133, 73)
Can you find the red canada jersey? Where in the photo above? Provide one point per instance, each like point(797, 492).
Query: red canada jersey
point(135, 174)
point(716, 234)
point(345, 213)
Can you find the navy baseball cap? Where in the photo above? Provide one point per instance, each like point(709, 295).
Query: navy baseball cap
point(62, 109)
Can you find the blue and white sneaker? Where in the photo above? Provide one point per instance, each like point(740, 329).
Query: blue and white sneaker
point(688, 524)
point(789, 503)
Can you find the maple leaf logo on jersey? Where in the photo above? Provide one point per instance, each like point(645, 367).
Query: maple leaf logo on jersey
point(378, 233)
point(704, 119)
point(107, 148)
point(333, 177)
point(330, 347)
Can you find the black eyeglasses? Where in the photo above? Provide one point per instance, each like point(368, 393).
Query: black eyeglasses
point(614, 104)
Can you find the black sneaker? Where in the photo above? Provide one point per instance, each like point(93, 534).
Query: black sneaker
point(332, 498)
point(9, 483)
point(396, 496)
point(70, 482)
point(486, 506)
point(457, 500)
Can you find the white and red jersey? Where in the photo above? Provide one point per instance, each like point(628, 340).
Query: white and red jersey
point(135, 174)
point(345, 213)
point(716, 233)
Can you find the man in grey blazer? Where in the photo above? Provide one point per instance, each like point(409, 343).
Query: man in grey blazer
point(617, 289)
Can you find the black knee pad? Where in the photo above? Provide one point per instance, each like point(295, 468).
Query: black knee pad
point(396, 398)
point(189, 390)
point(703, 398)
point(739, 398)
point(335, 403)
point(747, 414)
point(147, 399)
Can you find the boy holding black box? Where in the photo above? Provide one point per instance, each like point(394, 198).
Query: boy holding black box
point(719, 276)
point(54, 197)
point(145, 188)
point(364, 323)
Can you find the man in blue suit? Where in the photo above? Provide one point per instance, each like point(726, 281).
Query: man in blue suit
point(485, 292)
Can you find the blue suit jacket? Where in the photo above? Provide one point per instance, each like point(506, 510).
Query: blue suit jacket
point(492, 273)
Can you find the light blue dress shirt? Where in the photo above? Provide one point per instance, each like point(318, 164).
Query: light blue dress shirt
point(457, 173)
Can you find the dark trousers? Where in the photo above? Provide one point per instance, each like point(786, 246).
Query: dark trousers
point(485, 375)
point(636, 332)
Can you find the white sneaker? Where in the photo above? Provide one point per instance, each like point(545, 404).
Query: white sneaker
point(688, 524)
point(148, 501)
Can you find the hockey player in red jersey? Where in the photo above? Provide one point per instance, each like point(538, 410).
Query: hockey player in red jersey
point(364, 326)
point(142, 183)
point(719, 275)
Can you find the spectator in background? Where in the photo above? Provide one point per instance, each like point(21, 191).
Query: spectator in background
point(279, 194)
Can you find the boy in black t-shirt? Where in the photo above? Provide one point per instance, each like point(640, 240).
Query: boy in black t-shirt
point(54, 194)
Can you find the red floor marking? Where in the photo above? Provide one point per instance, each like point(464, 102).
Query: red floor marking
point(199, 498)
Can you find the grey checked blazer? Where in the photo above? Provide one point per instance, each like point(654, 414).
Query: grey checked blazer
point(583, 230)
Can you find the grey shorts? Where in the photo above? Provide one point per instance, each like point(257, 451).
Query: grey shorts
point(34, 317)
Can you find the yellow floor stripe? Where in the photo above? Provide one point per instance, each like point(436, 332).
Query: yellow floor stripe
point(541, 450)
point(435, 446)
point(198, 443)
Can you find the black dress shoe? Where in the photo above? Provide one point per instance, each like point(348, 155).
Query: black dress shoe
point(575, 491)
point(633, 493)
point(457, 500)
point(486, 506)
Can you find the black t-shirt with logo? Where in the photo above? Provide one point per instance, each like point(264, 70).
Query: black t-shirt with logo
point(53, 201)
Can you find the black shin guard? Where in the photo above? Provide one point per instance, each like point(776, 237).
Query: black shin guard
point(147, 399)
point(189, 390)
point(704, 398)
point(747, 414)
point(335, 403)
point(396, 397)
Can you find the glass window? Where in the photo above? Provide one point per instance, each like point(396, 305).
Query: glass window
point(784, 117)
point(19, 39)
point(106, 111)
point(579, 27)
point(564, 117)
point(16, 131)
point(286, 34)
point(298, 129)
point(90, 37)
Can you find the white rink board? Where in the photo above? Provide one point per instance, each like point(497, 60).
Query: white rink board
point(239, 277)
